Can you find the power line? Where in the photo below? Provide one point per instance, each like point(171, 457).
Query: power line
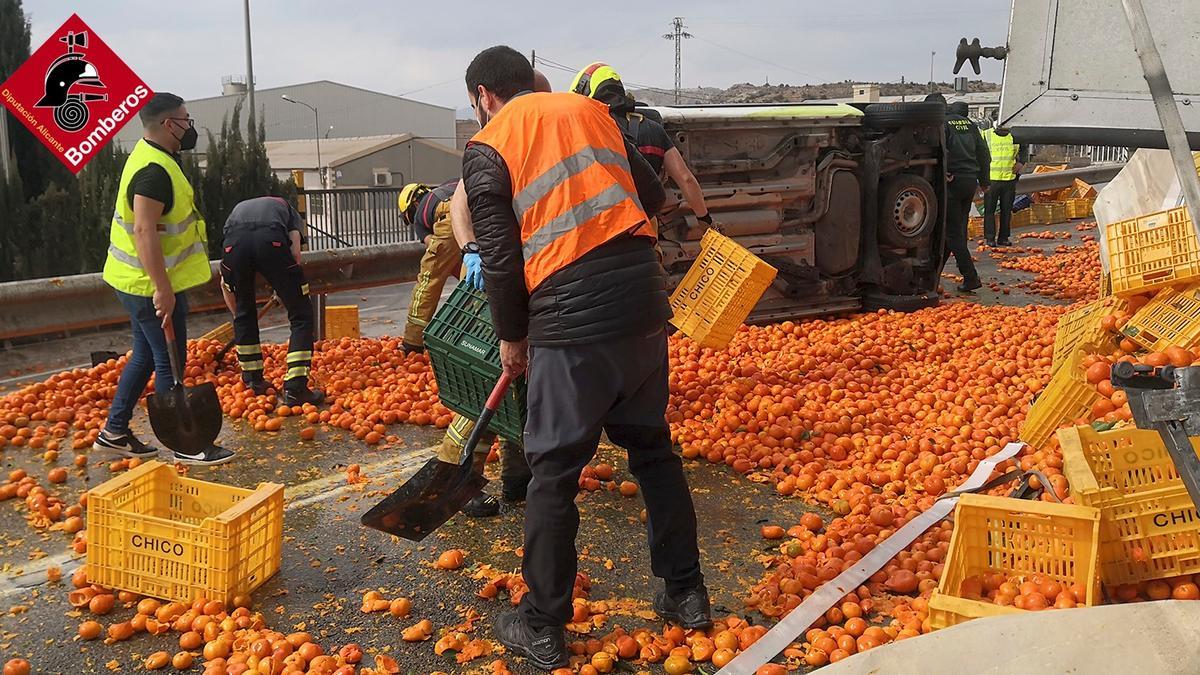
point(761, 60)
point(636, 85)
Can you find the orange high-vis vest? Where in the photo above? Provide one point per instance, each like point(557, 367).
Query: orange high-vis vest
point(571, 184)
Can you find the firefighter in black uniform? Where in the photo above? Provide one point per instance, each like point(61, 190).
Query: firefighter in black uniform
point(263, 235)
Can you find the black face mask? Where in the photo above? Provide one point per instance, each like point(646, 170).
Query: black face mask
point(188, 140)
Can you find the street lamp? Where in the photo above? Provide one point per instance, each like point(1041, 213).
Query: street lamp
point(317, 136)
point(328, 130)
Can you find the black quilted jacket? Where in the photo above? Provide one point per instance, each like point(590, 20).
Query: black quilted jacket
point(616, 290)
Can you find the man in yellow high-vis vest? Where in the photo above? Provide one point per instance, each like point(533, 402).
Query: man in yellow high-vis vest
point(157, 250)
point(1007, 159)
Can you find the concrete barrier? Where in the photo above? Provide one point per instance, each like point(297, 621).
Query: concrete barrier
point(43, 306)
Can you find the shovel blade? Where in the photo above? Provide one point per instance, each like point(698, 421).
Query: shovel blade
point(187, 423)
point(426, 500)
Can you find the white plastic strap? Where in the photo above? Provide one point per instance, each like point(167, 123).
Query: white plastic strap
point(799, 619)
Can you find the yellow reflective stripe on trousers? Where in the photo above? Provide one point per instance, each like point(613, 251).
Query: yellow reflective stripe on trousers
point(574, 217)
point(251, 365)
point(249, 349)
point(164, 229)
point(293, 357)
point(197, 247)
point(296, 371)
point(562, 172)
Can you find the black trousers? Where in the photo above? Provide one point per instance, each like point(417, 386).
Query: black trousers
point(575, 392)
point(1002, 193)
point(265, 251)
point(960, 192)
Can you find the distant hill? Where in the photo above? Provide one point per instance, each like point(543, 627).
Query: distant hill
point(784, 93)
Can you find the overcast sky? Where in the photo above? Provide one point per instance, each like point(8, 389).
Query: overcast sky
point(421, 49)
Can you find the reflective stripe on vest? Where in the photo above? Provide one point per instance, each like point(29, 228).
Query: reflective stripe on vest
point(163, 228)
point(1004, 155)
point(169, 261)
point(181, 231)
point(571, 183)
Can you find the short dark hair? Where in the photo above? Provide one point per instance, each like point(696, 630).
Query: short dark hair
point(935, 98)
point(959, 108)
point(159, 105)
point(501, 70)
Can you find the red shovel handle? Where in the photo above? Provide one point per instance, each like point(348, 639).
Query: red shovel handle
point(489, 408)
point(497, 395)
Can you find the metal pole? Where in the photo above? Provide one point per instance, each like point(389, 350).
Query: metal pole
point(249, 72)
point(1164, 103)
point(4, 144)
point(317, 134)
point(931, 55)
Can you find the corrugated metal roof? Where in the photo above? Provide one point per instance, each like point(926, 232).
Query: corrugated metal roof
point(302, 153)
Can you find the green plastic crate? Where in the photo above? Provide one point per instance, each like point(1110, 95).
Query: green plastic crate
point(465, 354)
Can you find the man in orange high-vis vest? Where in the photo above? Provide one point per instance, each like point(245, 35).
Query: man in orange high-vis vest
point(558, 200)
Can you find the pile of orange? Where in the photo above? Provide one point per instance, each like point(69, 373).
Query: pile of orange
point(1034, 593)
point(1067, 273)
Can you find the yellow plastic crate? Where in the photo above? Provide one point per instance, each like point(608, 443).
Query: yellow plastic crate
point(222, 333)
point(975, 227)
point(1153, 536)
point(1079, 208)
point(1018, 538)
point(1148, 525)
point(1171, 318)
point(1080, 328)
point(1049, 213)
point(156, 533)
point(719, 291)
point(1152, 251)
point(1022, 218)
point(341, 321)
point(1066, 398)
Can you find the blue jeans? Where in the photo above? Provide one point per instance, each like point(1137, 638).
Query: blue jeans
point(149, 356)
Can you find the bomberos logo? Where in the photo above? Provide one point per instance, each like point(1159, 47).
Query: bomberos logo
point(74, 93)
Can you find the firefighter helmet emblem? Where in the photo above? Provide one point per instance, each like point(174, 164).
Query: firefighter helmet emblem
point(67, 72)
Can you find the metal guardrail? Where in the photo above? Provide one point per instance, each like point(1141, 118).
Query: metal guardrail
point(1056, 180)
point(354, 217)
point(45, 306)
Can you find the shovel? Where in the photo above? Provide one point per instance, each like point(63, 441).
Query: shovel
point(440, 489)
point(186, 419)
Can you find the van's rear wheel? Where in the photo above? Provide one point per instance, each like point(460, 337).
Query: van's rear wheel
point(908, 211)
point(887, 116)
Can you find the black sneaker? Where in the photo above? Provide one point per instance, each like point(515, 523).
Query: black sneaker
point(991, 242)
point(690, 609)
point(411, 349)
point(126, 444)
point(1005, 242)
point(969, 286)
point(302, 396)
point(545, 648)
point(482, 506)
point(213, 456)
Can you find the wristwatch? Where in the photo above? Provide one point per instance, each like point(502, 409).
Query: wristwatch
point(470, 247)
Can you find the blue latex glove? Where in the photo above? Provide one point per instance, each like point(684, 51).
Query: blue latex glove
point(474, 274)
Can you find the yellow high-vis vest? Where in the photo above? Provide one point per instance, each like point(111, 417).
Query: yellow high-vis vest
point(181, 232)
point(1004, 155)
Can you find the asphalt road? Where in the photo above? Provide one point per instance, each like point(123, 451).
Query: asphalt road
point(329, 560)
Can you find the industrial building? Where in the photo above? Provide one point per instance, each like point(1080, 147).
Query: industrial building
point(342, 111)
point(366, 161)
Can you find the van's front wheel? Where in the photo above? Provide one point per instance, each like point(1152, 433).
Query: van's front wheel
point(908, 211)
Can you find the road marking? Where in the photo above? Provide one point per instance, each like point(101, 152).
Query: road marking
point(52, 371)
point(295, 497)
